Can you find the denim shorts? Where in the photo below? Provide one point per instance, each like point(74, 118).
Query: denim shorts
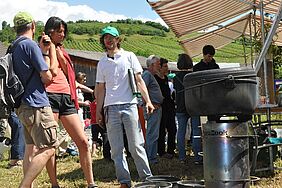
point(40, 127)
point(62, 104)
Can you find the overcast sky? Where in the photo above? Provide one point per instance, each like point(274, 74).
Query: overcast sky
point(101, 10)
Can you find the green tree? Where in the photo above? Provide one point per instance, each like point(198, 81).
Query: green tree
point(4, 24)
point(7, 35)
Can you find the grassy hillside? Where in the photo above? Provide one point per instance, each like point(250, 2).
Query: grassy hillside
point(166, 46)
point(143, 39)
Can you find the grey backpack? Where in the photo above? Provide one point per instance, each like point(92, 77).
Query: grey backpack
point(11, 88)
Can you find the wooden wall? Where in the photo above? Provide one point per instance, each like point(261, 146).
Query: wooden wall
point(88, 67)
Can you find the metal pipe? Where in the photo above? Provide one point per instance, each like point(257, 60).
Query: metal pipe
point(251, 39)
point(264, 59)
point(244, 48)
point(269, 37)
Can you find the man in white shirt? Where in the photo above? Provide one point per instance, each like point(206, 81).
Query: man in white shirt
point(114, 94)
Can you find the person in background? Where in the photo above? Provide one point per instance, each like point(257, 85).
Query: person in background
point(80, 89)
point(63, 99)
point(117, 105)
point(170, 77)
point(5, 140)
point(17, 141)
point(32, 65)
point(207, 63)
point(95, 130)
point(16, 144)
point(168, 115)
point(185, 65)
point(154, 119)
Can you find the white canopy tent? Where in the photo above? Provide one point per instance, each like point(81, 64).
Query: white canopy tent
point(218, 38)
point(187, 16)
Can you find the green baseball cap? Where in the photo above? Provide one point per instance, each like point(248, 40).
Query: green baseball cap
point(110, 30)
point(22, 18)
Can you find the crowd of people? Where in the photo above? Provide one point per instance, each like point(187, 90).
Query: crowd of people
point(53, 93)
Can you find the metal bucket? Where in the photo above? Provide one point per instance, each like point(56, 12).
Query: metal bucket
point(5, 145)
point(226, 154)
point(164, 178)
point(154, 185)
point(190, 183)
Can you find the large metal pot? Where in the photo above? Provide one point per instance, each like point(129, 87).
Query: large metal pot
point(229, 91)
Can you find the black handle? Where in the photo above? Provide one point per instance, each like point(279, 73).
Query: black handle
point(230, 78)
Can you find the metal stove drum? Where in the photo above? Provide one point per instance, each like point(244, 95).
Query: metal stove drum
point(232, 93)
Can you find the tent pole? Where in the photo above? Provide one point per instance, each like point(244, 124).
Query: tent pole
point(255, 31)
point(264, 58)
point(251, 40)
point(244, 48)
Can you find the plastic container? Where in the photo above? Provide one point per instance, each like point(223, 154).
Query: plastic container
point(229, 91)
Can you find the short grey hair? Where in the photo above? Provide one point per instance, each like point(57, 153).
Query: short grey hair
point(151, 60)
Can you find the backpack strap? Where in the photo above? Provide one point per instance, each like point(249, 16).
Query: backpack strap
point(12, 48)
point(14, 44)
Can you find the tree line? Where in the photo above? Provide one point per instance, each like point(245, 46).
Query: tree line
point(127, 27)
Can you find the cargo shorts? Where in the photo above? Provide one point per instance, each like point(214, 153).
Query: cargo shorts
point(40, 127)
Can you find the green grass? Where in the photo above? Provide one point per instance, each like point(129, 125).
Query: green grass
point(70, 175)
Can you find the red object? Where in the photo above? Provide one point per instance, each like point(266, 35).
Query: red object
point(71, 78)
point(142, 121)
point(93, 112)
point(87, 122)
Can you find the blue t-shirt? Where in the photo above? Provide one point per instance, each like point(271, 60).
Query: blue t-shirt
point(28, 63)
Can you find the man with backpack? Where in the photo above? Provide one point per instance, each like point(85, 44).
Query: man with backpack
point(34, 69)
